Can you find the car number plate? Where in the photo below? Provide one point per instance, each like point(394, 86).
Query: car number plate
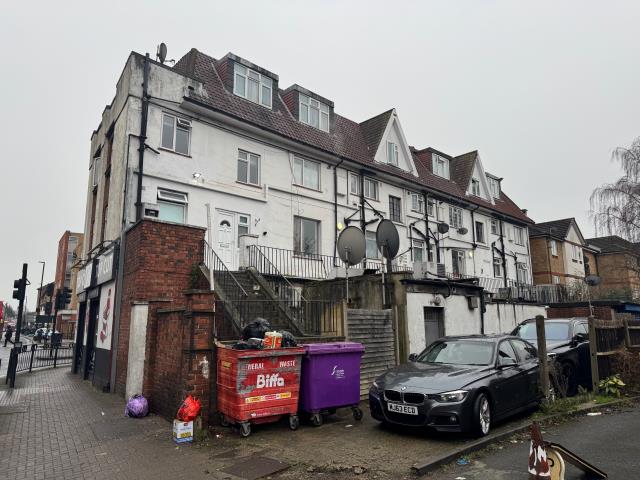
point(406, 409)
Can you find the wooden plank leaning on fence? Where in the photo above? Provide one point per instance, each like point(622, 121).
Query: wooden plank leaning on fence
point(542, 356)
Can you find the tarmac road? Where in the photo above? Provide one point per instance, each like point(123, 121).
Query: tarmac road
point(607, 441)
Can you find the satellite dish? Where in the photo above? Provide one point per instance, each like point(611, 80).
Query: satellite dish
point(463, 230)
point(592, 280)
point(162, 52)
point(388, 239)
point(443, 228)
point(351, 245)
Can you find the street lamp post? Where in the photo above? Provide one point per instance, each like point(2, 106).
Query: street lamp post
point(41, 279)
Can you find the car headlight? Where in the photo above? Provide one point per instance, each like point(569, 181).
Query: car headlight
point(450, 397)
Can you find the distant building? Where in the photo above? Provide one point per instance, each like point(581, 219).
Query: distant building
point(559, 253)
point(618, 265)
point(68, 243)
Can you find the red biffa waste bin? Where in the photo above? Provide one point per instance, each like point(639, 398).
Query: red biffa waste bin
point(331, 379)
point(258, 386)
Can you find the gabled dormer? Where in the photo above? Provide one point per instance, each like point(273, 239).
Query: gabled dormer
point(468, 172)
point(309, 108)
point(387, 143)
point(494, 185)
point(247, 80)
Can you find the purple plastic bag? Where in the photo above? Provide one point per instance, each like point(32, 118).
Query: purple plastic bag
point(137, 407)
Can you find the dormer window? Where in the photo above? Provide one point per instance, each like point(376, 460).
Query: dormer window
point(494, 187)
point(314, 113)
point(252, 85)
point(392, 153)
point(475, 187)
point(440, 166)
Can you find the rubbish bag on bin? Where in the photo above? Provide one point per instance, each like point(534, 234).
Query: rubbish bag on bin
point(288, 340)
point(137, 407)
point(251, 344)
point(256, 329)
point(189, 410)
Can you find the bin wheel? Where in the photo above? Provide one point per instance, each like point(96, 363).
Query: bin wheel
point(316, 419)
point(294, 422)
point(245, 429)
point(357, 413)
point(223, 420)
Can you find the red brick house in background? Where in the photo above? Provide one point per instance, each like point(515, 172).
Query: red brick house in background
point(618, 265)
point(68, 243)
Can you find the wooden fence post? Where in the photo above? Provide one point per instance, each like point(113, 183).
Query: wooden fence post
point(593, 353)
point(542, 356)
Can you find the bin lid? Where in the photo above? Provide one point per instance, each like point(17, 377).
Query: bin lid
point(333, 347)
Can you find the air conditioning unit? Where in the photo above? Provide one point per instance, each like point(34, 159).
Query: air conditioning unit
point(151, 210)
point(503, 293)
point(473, 302)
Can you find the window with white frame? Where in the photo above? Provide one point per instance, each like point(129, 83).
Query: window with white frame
point(354, 184)
point(96, 171)
point(555, 279)
point(431, 208)
point(521, 272)
point(440, 166)
point(577, 253)
point(172, 206)
point(392, 153)
point(243, 226)
point(306, 173)
point(418, 250)
point(371, 189)
point(314, 113)
point(458, 262)
point(455, 217)
point(306, 235)
point(248, 168)
point(417, 202)
point(372, 245)
point(475, 187)
point(494, 187)
point(395, 209)
point(495, 229)
point(554, 248)
point(519, 235)
point(252, 85)
point(497, 267)
point(480, 233)
point(176, 133)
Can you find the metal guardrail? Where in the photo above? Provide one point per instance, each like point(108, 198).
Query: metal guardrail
point(39, 356)
point(282, 287)
point(234, 292)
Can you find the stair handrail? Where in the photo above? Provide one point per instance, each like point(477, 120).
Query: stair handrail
point(225, 270)
point(255, 249)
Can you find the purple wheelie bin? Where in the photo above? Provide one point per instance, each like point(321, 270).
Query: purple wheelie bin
point(330, 379)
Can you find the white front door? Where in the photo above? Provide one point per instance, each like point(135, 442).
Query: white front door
point(225, 242)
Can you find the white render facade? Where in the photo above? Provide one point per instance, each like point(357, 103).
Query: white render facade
point(286, 194)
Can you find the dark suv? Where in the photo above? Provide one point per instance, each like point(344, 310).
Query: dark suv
point(568, 341)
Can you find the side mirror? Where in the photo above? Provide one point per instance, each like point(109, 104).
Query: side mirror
point(581, 337)
point(413, 357)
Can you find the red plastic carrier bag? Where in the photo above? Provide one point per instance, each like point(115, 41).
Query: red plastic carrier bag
point(189, 409)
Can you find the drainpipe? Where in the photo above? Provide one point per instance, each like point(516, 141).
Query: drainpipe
point(504, 259)
point(425, 198)
point(482, 309)
point(363, 223)
point(548, 242)
point(335, 209)
point(143, 135)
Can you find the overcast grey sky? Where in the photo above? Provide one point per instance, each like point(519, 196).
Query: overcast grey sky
point(544, 90)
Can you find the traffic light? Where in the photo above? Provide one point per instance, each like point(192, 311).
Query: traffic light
point(47, 308)
point(63, 297)
point(18, 289)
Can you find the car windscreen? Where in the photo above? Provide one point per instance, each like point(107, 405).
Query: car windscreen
point(458, 352)
point(552, 331)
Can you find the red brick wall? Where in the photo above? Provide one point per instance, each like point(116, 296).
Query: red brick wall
point(604, 313)
point(158, 263)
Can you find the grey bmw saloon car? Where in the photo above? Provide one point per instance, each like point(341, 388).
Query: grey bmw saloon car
point(459, 384)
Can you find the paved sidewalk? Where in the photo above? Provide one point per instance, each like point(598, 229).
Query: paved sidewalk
point(4, 352)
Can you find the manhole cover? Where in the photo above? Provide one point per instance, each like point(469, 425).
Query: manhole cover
point(251, 468)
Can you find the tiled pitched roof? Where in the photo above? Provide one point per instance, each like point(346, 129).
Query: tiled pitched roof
point(555, 228)
point(614, 244)
point(357, 142)
point(461, 169)
point(374, 128)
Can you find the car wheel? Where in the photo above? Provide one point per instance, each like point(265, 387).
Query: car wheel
point(482, 415)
